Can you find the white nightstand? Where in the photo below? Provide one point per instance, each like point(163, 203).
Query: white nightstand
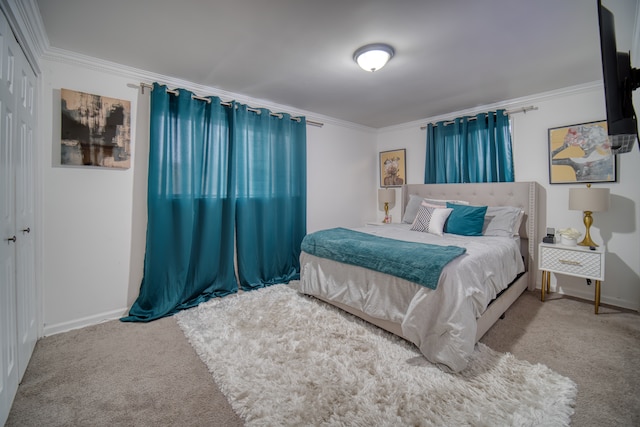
point(579, 261)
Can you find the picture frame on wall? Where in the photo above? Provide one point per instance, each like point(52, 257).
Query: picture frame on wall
point(393, 169)
point(95, 130)
point(581, 153)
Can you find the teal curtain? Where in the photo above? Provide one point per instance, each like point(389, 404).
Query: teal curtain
point(269, 162)
point(470, 149)
point(189, 249)
point(221, 178)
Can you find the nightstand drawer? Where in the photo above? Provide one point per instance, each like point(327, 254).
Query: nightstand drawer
point(574, 262)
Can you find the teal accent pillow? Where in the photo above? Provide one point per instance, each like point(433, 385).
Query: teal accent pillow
point(465, 220)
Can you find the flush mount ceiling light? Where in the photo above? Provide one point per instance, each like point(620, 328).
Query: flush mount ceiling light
point(374, 56)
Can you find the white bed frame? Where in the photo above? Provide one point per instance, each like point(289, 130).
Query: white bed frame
point(524, 195)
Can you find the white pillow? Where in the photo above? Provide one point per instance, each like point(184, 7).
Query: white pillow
point(502, 221)
point(516, 225)
point(431, 219)
point(413, 206)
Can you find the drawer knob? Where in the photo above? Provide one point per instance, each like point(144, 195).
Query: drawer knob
point(569, 262)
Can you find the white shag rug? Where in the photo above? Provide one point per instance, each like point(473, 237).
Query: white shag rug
point(282, 358)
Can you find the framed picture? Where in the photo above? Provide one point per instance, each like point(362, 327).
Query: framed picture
point(96, 130)
point(393, 169)
point(581, 153)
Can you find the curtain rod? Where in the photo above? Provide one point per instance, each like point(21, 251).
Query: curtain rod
point(228, 104)
point(517, 110)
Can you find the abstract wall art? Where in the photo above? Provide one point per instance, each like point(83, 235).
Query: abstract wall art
point(581, 153)
point(96, 130)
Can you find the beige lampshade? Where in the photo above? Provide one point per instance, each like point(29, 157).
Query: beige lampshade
point(589, 199)
point(387, 195)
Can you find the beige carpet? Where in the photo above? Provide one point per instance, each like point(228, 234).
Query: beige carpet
point(119, 374)
point(601, 353)
point(148, 375)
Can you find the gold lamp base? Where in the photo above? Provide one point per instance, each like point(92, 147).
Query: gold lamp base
point(386, 213)
point(588, 220)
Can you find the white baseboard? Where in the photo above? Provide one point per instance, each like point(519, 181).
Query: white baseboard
point(589, 295)
point(83, 322)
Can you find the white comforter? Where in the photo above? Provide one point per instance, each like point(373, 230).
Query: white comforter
point(441, 322)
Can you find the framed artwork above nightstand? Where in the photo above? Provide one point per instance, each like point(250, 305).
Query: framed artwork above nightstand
point(581, 153)
point(393, 168)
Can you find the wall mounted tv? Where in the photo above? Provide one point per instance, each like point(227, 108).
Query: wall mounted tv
point(620, 80)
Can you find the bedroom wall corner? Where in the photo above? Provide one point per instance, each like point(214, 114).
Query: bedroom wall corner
point(340, 165)
point(94, 224)
point(617, 228)
point(406, 137)
point(87, 212)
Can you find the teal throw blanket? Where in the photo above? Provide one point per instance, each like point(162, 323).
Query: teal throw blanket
point(417, 262)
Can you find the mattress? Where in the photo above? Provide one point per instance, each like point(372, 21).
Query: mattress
point(440, 322)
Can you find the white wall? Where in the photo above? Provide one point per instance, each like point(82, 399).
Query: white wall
point(87, 213)
point(95, 219)
point(341, 165)
point(617, 229)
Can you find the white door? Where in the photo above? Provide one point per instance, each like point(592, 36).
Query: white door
point(8, 329)
point(18, 302)
point(24, 203)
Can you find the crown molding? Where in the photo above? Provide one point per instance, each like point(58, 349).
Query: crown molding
point(26, 23)
point(142, 76)
point(53, 54)
point(511, 104)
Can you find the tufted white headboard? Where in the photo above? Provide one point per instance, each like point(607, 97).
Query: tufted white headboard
point(522, 195)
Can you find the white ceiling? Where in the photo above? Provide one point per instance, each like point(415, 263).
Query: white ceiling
point(450, 55)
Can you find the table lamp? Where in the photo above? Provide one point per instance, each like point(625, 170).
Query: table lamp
point(588, 200)
point(387, 196)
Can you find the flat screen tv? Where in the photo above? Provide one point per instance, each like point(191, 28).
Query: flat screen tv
point(620, 80)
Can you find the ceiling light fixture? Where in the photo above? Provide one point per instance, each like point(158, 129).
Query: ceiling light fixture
point(374, 56)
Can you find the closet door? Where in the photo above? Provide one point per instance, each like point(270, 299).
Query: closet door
point(18, 299)
point(24, 211)
point(8, 308)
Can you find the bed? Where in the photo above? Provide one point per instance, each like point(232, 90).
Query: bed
point(444, 320)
